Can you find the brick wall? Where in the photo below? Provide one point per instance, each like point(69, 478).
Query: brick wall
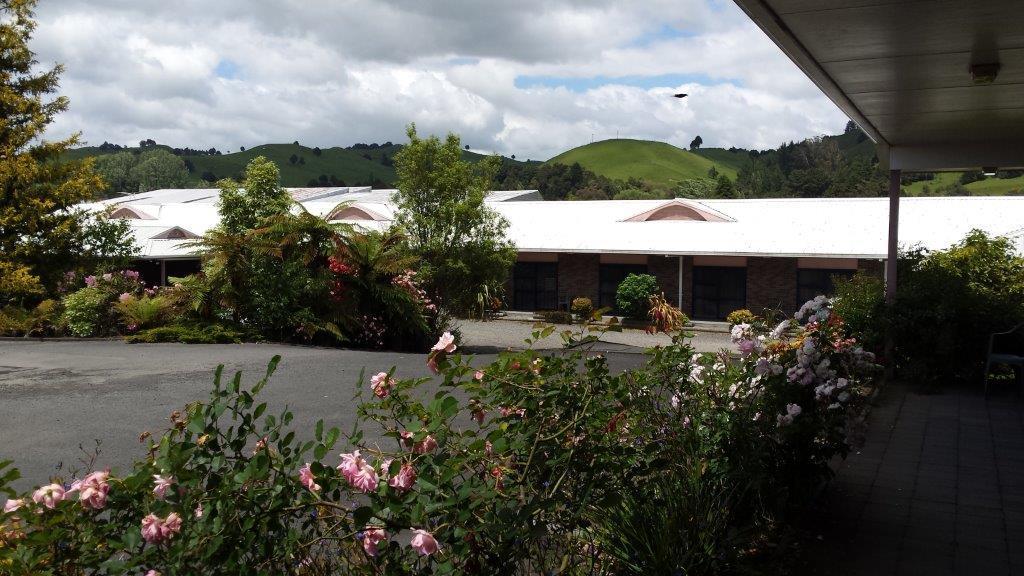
point(666, 270)
point(578, 275)
point(771, 284)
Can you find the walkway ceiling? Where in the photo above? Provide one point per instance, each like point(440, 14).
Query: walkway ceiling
point(915, 75)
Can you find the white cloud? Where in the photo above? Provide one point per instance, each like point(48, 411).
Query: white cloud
point(360, 70)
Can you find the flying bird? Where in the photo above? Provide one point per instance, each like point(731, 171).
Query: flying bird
point(680, 95)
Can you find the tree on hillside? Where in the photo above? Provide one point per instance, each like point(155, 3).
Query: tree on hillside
point(713, 172)
point(127, 173)
point(42, 233)
point(724, 188)
point(696, 142)
point(440, 199)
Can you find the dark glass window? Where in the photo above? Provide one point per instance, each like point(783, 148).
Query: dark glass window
point(813, 282)
point(182, 268)
point(611, 276)
point(535, 286)
point(718, 290)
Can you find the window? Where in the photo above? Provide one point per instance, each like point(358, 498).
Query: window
point(718, 290)
point(611, 275)
point(813, 282)
point(535, 286)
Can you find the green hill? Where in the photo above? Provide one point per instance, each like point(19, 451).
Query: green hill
point(656, 162)
point(987, 187)
point(734, 158)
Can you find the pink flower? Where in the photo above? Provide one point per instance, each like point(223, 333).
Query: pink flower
point(161, 484)
point(446, 343)
point(198, 512)
point(172, 525)
point(108, 276)
point(478, 375)
point(307, 479)
point(428, 444)
point(153, 573)
point(432, 363)
point(90, 281)
point(405, 478)
point(365, 479)
point(381, 384)
point(124, 297)
point(371, 538)
point(423, 542)
point(350, 464)
point(49, 495)
point(151, 531)
point(12, 505)
point(93, 490)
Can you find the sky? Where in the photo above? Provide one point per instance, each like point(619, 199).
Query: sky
point(527, 77)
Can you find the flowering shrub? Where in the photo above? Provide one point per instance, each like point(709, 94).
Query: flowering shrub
point(528, 465)
point(741, 316)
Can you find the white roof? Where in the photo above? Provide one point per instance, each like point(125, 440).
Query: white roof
point(813, 227)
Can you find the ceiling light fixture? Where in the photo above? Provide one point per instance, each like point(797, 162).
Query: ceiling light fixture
point(985, 73)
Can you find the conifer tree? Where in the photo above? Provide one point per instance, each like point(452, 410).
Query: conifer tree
point(42, 233)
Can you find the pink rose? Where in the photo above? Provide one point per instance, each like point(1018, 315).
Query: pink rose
point(381, 384)
point(478, 375)
point(423, 542)
point(428, 444)
point(12, 505)
point(371, 538)
point(49, 495)
point(307, 479)
point(405, 478)
point(161, 484)
point(151, 532)
point(446, 343)
point(350, 464)
point(365, 479)
point(172, 525)
point(92, 490)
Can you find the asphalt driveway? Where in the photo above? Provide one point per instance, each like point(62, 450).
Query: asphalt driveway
point(57, 396)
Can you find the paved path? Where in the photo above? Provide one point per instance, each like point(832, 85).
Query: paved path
point(501, 334)
point(57, 395)
point(937, 489)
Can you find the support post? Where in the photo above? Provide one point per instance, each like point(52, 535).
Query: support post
point(894, 226)
point(163, 272)
point(679, 285)
point(890, 269)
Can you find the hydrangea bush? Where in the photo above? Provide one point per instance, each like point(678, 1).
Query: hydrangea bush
point(531, 464)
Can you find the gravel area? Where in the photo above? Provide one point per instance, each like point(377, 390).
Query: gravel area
point(503, 334)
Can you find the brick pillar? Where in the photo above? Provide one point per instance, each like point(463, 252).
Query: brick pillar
point(687, 304)
point(578, 275)
point(666, 270)
point(771, 284)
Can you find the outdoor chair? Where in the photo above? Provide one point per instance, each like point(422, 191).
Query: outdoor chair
point(1006, 348)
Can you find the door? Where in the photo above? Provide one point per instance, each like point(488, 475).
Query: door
point(535, 286)
point(718, 290)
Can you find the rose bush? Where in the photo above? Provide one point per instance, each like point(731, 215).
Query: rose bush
point(531, 464)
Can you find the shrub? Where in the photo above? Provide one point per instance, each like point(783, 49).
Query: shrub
point(42, 320)
point(189, 334)
point(860, 302)
point(86, 311)
point(583, 308)
point(555, 316)
point(949, 301)
point(664, 316)
point(634, 294)
point(143, 312)
point(527, 465)
point(741, 316)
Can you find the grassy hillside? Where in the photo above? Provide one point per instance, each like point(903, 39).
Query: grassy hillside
point(734, 159)
point(351, 166)
point(657, 162)
point(986, 187)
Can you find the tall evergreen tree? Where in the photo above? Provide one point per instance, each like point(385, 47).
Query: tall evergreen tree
point(42, 233)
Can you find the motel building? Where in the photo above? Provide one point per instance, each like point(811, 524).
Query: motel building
point(710, 256)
